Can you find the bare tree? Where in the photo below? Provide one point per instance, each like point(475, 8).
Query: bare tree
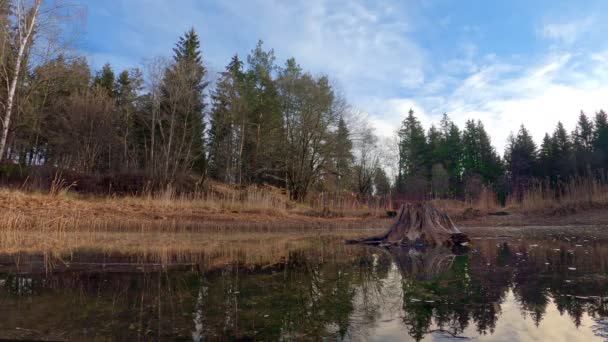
point(26, 22)
point(367, 158)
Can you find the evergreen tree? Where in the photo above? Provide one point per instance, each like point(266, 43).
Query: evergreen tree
point(435, 147)
point(227, 113)
point(263, 153)
point(546, 158)
point(413, 150)
point(520, 158)
point(382, 184)
point(563, 153)
point(600, 140)
point(480, 162)
point(583, 144)
point(343, 155)
point(182, 109)
point(450, 152)
point(126, 88)
point(105, 80)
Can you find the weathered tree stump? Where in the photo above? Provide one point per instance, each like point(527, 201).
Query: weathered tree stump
point(419, 224)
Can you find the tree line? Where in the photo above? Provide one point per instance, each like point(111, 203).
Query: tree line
point(446, 161)
point(255, 122)
point(260, 123)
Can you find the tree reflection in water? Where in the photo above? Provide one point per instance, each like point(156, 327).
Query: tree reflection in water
point(367, 291)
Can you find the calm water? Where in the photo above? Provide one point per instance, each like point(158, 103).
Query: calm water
point(551, 287)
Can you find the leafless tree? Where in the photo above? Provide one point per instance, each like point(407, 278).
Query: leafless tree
point(25, 17)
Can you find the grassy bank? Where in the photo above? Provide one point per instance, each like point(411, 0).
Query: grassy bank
point(251, 225)
point(260, 228)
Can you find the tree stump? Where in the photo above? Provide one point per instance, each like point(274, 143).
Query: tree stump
point(419, 224)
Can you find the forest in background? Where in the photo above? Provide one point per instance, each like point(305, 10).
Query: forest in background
point(172, 122)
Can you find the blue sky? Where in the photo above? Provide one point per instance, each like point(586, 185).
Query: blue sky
point(504, 62)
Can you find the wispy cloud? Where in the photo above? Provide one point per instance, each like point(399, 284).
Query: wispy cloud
point(568, 31)
point(389, 56)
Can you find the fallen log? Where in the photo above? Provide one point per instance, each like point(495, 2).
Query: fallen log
point(418, 224)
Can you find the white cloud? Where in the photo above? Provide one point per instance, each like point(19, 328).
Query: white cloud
point(504, 96)
point(567, 32)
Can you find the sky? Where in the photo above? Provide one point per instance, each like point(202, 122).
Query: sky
point(506, 63)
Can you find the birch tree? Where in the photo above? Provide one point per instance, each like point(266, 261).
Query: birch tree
point(25, 17)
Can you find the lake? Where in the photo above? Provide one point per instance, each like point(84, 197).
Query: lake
point(532, 284)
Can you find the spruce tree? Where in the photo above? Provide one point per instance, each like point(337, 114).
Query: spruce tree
point(225, 128)
point(343, 155)
point(563, 153)
point(546, 158)
point(520, 158)
point(600, 140)
point(451, 152)
point(413, 157)
point(182, 107)
point(263, 152)
point(105, 80)
point(583, 144)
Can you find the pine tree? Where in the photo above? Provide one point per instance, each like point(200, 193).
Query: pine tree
point(491, 167)
point(182, 107)
point(343, 155)
point(435, 147)
point(563, 153)
point(126, 87)
point(520, 158)
point(263, 153)
point(224, 133)
point(105, 80)
point(583, 144)
point(451, 152)
point(382, 184)
point(413, 158)
point(600, 140)
point(480, 162)
point(546, 158)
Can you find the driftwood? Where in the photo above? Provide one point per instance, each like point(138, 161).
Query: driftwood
point(419, 224)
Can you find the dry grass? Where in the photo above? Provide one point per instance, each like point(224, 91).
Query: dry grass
point(487, 201)
point(575, 195)
point(165, 228)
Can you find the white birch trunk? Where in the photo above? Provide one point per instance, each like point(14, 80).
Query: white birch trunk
point(25, 30)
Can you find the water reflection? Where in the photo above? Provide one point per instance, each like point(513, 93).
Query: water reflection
point(502, 289)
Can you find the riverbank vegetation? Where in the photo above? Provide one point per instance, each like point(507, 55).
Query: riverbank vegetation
point(230, 141)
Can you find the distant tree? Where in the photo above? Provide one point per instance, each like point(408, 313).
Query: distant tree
point(479, 156)
point(600, 140)
point(182, 105)
point(106, 80)
point(583, 144)
point(413, 152)
point(440, 181)
point(366, 163)
point(228, 115)
point(563, 153)
point(263, 154)
point(436, 147)
point(546, 158)
point(128, 84)
point(311, 112)
point(382, 184)
point(481, 165)
point(520, 158)
point(343, 155)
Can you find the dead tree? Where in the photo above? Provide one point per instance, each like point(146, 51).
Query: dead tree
point(419, 224)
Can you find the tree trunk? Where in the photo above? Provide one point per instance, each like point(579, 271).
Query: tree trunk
point(419, 224)
point(24, 38)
